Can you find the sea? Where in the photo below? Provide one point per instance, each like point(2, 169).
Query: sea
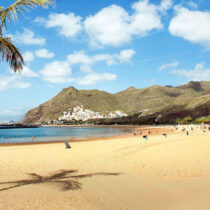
point(50, 134)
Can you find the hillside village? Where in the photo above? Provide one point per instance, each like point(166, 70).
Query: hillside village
point(190, 99)
point(80, 113)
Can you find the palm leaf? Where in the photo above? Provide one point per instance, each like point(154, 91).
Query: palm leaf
point(11, 13)
point(11, 54)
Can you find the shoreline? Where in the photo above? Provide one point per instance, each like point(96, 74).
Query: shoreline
point(62, 141)
point(110, 173)
point(130, 133)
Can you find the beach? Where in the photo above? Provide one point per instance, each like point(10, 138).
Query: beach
point(125, 172)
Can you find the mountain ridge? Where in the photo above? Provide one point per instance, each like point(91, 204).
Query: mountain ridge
point(131, 100)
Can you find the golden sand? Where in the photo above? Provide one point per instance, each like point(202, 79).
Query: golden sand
point(161, 173)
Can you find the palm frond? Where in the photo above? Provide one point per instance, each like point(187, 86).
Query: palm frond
point(11, 54)
point(11, 12)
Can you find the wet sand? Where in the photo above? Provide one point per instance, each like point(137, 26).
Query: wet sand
point(121, 173)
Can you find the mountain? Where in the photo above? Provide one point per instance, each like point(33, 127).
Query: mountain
point(132, 100)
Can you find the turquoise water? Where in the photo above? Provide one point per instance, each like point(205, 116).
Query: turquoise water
point(43, 134)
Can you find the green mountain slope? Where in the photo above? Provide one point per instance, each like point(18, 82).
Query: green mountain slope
point(147, 100)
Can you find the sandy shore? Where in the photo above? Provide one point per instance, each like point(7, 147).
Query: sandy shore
point(122, 173)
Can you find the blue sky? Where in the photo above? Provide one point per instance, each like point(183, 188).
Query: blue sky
point(107, 45)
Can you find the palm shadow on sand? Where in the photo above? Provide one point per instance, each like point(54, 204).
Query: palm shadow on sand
point(65, 179)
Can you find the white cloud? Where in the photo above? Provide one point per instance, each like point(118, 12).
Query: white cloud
point(44, 53)
point(57, 72)
point(61, 72)
point(191, 25)
point(198, 74)
point(28, 38)
point(145, 18)
point(28, 56)
point(27, 72)
point(86, 61)
point(109, 59)
point(114, 26)
point(108, 26)
point(12, 82)
point(165, 5)
point(40, 20)
point(168, 66)
point(192, 5)
point(93, 78)
point(86, 68)
point(79, 58)
point(82, 58)
point(68, 25)
point(126, 55)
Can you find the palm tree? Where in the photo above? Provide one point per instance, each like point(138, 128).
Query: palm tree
point(8, 51)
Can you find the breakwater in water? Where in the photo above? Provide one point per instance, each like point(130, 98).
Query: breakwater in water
point(16, 126)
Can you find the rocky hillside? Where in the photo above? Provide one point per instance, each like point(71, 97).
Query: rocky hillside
point(146, 101)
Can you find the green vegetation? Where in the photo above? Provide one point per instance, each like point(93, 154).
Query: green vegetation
point(189, 120)
point(73, 122)
point(185, 121)
point(200, 120)
point(8, 51)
